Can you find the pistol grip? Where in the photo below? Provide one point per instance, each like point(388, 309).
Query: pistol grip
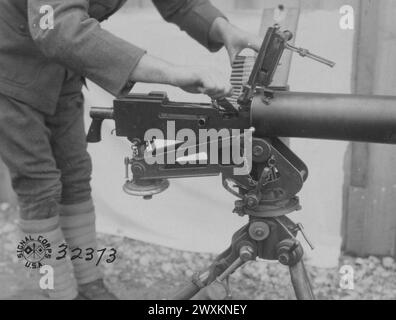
point(95, 131)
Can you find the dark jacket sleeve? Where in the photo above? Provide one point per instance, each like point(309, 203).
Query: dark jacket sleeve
point(193, 16)
point(79, 43)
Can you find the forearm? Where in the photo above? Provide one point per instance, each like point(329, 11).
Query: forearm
point(151, 69)
point(222, 31)
point(193, 16)
point(219, 30)
point(191, 79)
point(234, 39)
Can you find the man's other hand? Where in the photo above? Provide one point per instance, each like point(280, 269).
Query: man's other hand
point(234, 39)
point(191, 79)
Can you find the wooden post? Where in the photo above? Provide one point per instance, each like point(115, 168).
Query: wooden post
point(369, 221)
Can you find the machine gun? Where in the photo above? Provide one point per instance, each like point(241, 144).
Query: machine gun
point(267, 190)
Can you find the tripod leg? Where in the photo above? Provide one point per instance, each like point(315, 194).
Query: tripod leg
point(208, 284)
point(189, 291)
point(203, 279)
point(301, 284)
point(215, 291)
point(192, 288)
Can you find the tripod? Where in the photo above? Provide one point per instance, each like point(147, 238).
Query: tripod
point(264, 238)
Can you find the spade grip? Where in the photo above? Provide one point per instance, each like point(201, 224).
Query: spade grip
point(95, 130)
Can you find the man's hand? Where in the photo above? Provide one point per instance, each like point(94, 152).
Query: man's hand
point(190, 79)
point(234, 39)
point(202, 80)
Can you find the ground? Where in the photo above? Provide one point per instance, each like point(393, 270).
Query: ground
point(144, 271)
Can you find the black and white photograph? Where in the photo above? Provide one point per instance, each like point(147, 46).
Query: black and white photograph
point(220, 151)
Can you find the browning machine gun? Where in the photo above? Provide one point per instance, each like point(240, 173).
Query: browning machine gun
point(267, 190)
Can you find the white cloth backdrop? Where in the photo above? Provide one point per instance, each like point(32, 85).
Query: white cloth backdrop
point(196, 214)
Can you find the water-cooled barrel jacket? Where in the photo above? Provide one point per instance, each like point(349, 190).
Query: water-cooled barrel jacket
point(34, 60)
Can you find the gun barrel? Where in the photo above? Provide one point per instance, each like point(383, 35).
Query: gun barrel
point(326, 116)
